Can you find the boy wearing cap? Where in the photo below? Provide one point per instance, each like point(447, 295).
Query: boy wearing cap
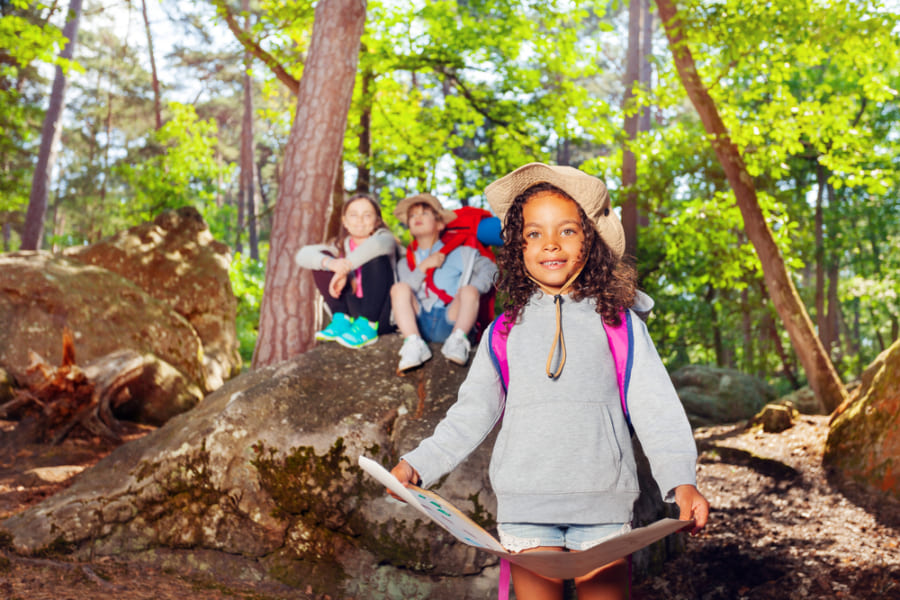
point(436, 297)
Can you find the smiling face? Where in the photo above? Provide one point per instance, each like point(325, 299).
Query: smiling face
point(554, 237)
point(359, 219)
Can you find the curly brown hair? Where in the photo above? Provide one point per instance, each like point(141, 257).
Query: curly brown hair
point(606, 278)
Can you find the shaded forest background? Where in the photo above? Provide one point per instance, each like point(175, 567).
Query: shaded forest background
point(194, 106)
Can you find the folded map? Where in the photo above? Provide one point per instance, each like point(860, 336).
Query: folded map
point(563, 565)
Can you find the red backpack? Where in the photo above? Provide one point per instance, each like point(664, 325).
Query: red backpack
point(464, 231)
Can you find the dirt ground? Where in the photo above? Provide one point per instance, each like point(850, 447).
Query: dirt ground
point(779, 529)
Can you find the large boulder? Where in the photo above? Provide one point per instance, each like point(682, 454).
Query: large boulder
point(863, 443)
point(260, 481)
point(41, 294)
point(175, 259)
point(713, 395)
point(805, 401)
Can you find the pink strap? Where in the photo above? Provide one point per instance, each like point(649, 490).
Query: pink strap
point(504, 582)
point(618, 346)
point(498, 345)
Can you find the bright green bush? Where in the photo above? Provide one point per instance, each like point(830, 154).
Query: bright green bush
point(248, 278)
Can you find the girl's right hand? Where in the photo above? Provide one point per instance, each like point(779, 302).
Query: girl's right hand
point(341, 266)
point(405, 474)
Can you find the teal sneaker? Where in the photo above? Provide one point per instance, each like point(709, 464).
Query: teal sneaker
point(362, 333)
point(340, 324)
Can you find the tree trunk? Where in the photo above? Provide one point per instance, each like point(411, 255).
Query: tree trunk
point(718, 345)
point(33, 231)
point(749, 337)
point(246, 193)
point(646, 65)
point(820, 372)
point(287, 314)
point(829, 333)
point(822, 180)
point(786, 363)
point(364, 168)
point(833, 313)
point(337, 202)
point(629, 161)
point(157, 103)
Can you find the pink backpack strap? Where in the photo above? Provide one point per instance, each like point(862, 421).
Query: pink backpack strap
point(621, 344)
point(505, 580)
point(497, 334)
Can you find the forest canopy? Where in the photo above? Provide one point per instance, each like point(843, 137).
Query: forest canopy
point(450, 95)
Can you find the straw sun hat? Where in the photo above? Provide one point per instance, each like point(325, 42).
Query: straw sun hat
point(589, 192)
point(402, 209)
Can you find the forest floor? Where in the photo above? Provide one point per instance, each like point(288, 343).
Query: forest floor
point(779, 529)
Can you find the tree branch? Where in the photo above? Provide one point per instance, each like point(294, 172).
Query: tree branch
point(292, 83)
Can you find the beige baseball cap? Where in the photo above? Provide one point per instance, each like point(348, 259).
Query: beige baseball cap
point(588, 191)
point(401, 211)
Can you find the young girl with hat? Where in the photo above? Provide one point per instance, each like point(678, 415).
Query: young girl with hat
point(354, 274)
point(563, 467)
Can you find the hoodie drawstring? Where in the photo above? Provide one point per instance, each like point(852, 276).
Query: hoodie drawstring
point(558, 340)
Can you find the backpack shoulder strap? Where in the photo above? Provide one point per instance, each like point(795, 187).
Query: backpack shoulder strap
point(621, 344)
point(498, 332)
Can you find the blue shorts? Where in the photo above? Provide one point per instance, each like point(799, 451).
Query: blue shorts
point(433, 324)
point(516, 537)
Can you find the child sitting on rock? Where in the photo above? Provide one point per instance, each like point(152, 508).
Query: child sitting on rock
point(354, 274)
point(436, 297)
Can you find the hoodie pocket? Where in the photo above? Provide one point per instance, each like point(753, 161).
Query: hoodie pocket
point(557, 448)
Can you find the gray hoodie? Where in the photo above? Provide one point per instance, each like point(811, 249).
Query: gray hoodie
point(380, 243)
point(564, 453)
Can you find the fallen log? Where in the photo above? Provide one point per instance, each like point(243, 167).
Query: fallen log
point(59, 399)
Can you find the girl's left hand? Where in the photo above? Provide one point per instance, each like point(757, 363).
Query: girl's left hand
point(692, 505)
point(337, 283)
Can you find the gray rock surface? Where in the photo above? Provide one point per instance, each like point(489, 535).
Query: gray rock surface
point(713, 396)
point(41, 293)
point(158, 294)
point(175, 259)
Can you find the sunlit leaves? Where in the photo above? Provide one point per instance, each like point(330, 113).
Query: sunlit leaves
point(184, 172)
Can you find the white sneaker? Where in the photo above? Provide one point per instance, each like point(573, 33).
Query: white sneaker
point(413, 353)
point(456, 348)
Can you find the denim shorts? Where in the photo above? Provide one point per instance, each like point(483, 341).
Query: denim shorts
point(516, 537)
point(433, 324)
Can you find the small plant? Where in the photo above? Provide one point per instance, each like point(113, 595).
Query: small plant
point(248, 278)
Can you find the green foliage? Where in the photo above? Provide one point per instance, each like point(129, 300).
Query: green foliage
point(26, 41)
point(248, 278)
point(459, 93)
point(807, 90)
point(462, 92)
point(181, 168)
